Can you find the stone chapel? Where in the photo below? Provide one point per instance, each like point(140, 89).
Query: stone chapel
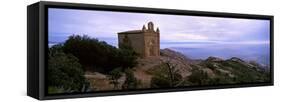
point(145, 42)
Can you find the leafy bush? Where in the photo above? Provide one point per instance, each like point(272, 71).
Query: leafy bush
point(245, 74)
point(114, 75)
point(127, 58)
point(131, 81)
point(198, 77)
point(98, 55)
point(65, 74)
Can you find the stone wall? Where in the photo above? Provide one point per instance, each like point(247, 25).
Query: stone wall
point(146, 42)
point(136, 42)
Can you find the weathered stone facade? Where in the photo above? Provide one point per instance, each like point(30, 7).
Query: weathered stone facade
point(145, 42)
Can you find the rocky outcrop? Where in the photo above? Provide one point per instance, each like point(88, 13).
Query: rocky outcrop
point(214, 59)
point(182, 63)
point(174, 55)
point(212, 70)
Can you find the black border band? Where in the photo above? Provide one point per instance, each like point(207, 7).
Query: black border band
point(44, 20)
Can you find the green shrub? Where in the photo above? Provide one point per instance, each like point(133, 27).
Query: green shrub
point(98, 55)
point(64, 71)
point(131, 81)
point(114, 75)
point(198, 77)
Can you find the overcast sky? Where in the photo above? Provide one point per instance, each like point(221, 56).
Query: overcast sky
point(173, 28)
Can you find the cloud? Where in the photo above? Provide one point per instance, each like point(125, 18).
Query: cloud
point(246, 43)
point(183, 37)
point(179, 28)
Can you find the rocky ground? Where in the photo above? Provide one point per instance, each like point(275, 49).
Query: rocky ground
point(215, 70)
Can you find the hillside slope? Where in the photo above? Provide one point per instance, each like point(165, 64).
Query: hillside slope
point(173, 69)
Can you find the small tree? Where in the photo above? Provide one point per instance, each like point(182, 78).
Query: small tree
point(127, 56)
point(114, 75)
point(65, 73)
point(168, 76)
point(131, 81)
point(88, 50)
